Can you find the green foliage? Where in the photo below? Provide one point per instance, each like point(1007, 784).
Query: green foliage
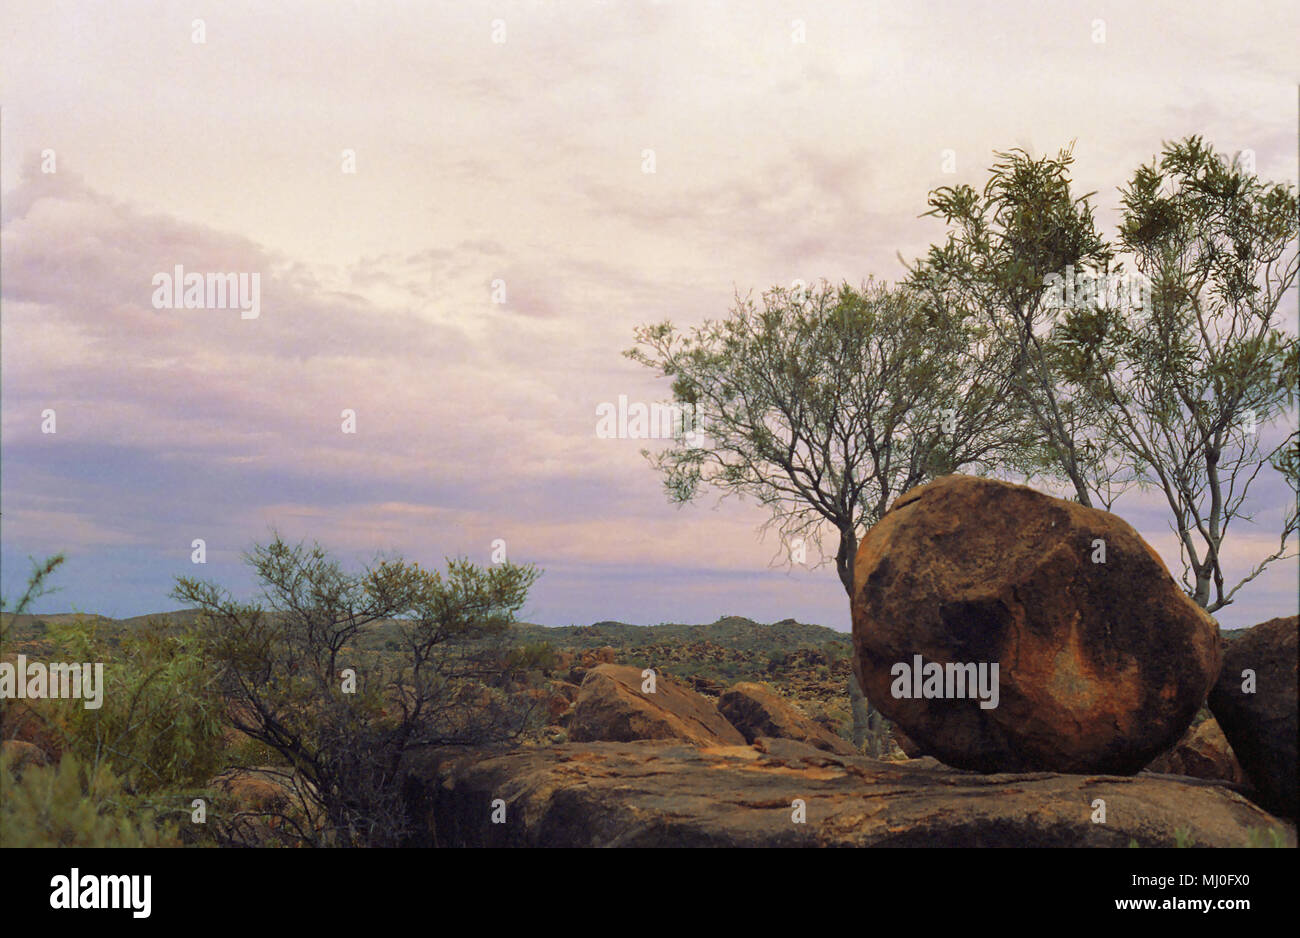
point(1266, 837)
point(159, 724)
point(535, 657)
point(826, 404)
point(1003, 245)
point(252, 752)
point(282, 667)
point(1183, 837)
point(72, 805)
point(37, 586)
point(1190, 383)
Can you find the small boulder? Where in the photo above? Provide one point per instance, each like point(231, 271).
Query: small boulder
point(1203, 752)
point(254, 790)
point(557, 705)
point(20, 754)
point(704, 685)
point(905, 744)
point(28, 722)
point(1261, 726)
point(757, 711)
point(568, 691)
point(1102, 659)
point(611, 706)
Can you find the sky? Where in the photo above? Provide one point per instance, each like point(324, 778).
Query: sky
point(467, 288)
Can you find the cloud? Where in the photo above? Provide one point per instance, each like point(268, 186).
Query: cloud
point(520, 162)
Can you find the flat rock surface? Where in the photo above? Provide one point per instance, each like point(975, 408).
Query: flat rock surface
point(670, 794)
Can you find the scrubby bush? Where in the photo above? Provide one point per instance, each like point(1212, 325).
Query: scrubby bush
point(538, 657)
point(73, 805)
point(344, 719)
point(159, 723)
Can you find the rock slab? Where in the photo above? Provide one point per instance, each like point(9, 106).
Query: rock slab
point(612, 706)
point(757, 711)
point(663, 793)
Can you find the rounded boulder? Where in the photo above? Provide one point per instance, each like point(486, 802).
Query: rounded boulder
point(1006, 630)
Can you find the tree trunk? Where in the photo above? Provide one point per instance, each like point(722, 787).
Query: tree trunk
point(868, 723)
point(861, 712)
point(844, 559)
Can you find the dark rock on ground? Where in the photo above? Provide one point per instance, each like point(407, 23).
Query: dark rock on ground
point(905, 743)
point(1203, 752)
point(1262, 726)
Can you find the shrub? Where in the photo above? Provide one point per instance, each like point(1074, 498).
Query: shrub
point(159, 723)
point(281, 667)
point(538, 657)
point(72, 805)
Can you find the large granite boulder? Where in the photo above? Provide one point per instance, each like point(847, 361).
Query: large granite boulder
point(1261, 724)
point(1101, 660)
point(779, 792)
point(757, 711)
point(612, 706)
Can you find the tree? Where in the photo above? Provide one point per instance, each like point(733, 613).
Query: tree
point(344, 719)
point(826, 405)
point(1189, 384)
point(995, 267)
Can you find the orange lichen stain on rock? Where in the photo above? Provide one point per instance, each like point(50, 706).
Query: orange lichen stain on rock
point(583, 756)
point(1075, 682)
point(813, 772)
point(747, 753)
point(774, 803)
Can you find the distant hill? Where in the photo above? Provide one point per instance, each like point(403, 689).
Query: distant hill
point(734, 632)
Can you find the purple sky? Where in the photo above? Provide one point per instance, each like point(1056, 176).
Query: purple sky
point(518, 161)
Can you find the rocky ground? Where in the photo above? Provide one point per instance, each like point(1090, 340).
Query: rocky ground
point(1101, 735)
point(660, 793)
point(1125, 718)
